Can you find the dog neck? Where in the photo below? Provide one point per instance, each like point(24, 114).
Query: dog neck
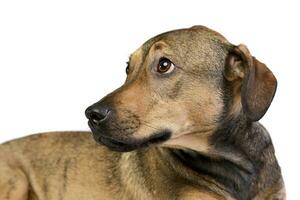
point(240, 159)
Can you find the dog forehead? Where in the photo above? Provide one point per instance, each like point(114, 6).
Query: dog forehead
point(198, 38)
point(183, 37)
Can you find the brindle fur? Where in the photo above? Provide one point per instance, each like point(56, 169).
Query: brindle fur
point(191, 134)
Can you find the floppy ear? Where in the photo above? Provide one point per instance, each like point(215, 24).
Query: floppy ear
point(258, 84)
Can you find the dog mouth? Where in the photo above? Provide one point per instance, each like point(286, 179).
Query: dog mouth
point(131, 144)
point(103, 136)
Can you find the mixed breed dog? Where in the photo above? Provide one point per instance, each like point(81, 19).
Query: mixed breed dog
point(183, 126)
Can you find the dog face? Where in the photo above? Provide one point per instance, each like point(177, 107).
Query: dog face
point(179, 85)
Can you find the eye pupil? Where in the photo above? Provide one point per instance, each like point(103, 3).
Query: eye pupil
point(164, 65)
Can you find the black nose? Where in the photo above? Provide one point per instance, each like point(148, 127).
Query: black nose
point(97, 114)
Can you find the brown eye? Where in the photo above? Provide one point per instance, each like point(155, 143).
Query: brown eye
point(127, 68)
point(165, 66)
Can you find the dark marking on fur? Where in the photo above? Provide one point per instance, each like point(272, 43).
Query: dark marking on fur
point(235, 179)
point(67, 164)
point(175, 90)
point(45, 187)
point(253, 144)
point(11, 183)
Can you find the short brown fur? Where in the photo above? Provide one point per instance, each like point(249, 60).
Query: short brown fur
point(210, 145)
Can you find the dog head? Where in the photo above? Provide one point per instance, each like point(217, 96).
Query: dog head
point(180, 86)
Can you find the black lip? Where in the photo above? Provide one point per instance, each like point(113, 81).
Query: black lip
point(133, 144)
point(115, 145)
point(129, 144)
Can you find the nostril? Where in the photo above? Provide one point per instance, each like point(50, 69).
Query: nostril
point(97, 118)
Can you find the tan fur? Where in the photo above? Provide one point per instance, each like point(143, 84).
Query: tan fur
point(81, 169)
point(189, 103)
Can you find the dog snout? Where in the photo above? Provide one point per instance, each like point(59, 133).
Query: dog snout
point(97, 114)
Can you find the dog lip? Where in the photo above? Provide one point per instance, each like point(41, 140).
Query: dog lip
point(111, 142)
point(133, 144)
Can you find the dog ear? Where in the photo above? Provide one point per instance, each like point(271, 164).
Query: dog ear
point(258, 84)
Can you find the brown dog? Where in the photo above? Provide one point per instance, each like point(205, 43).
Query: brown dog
point(183, 126)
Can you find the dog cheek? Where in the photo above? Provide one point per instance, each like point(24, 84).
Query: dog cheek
point(171, 116)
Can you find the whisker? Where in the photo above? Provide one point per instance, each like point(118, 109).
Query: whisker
point(149, 125)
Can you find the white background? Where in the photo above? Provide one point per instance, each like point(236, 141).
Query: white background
point(57, 57)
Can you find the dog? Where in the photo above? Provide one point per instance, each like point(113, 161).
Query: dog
point(183, 126)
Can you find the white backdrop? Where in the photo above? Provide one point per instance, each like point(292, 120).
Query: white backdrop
point(57, 57)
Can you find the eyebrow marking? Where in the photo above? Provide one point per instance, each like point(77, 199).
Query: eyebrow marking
point(158, 45)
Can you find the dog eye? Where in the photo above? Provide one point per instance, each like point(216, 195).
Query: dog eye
point(127, 68)
point(165, 66)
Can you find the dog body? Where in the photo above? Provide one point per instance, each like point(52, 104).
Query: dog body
point(71, 166)
point(183, 126)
